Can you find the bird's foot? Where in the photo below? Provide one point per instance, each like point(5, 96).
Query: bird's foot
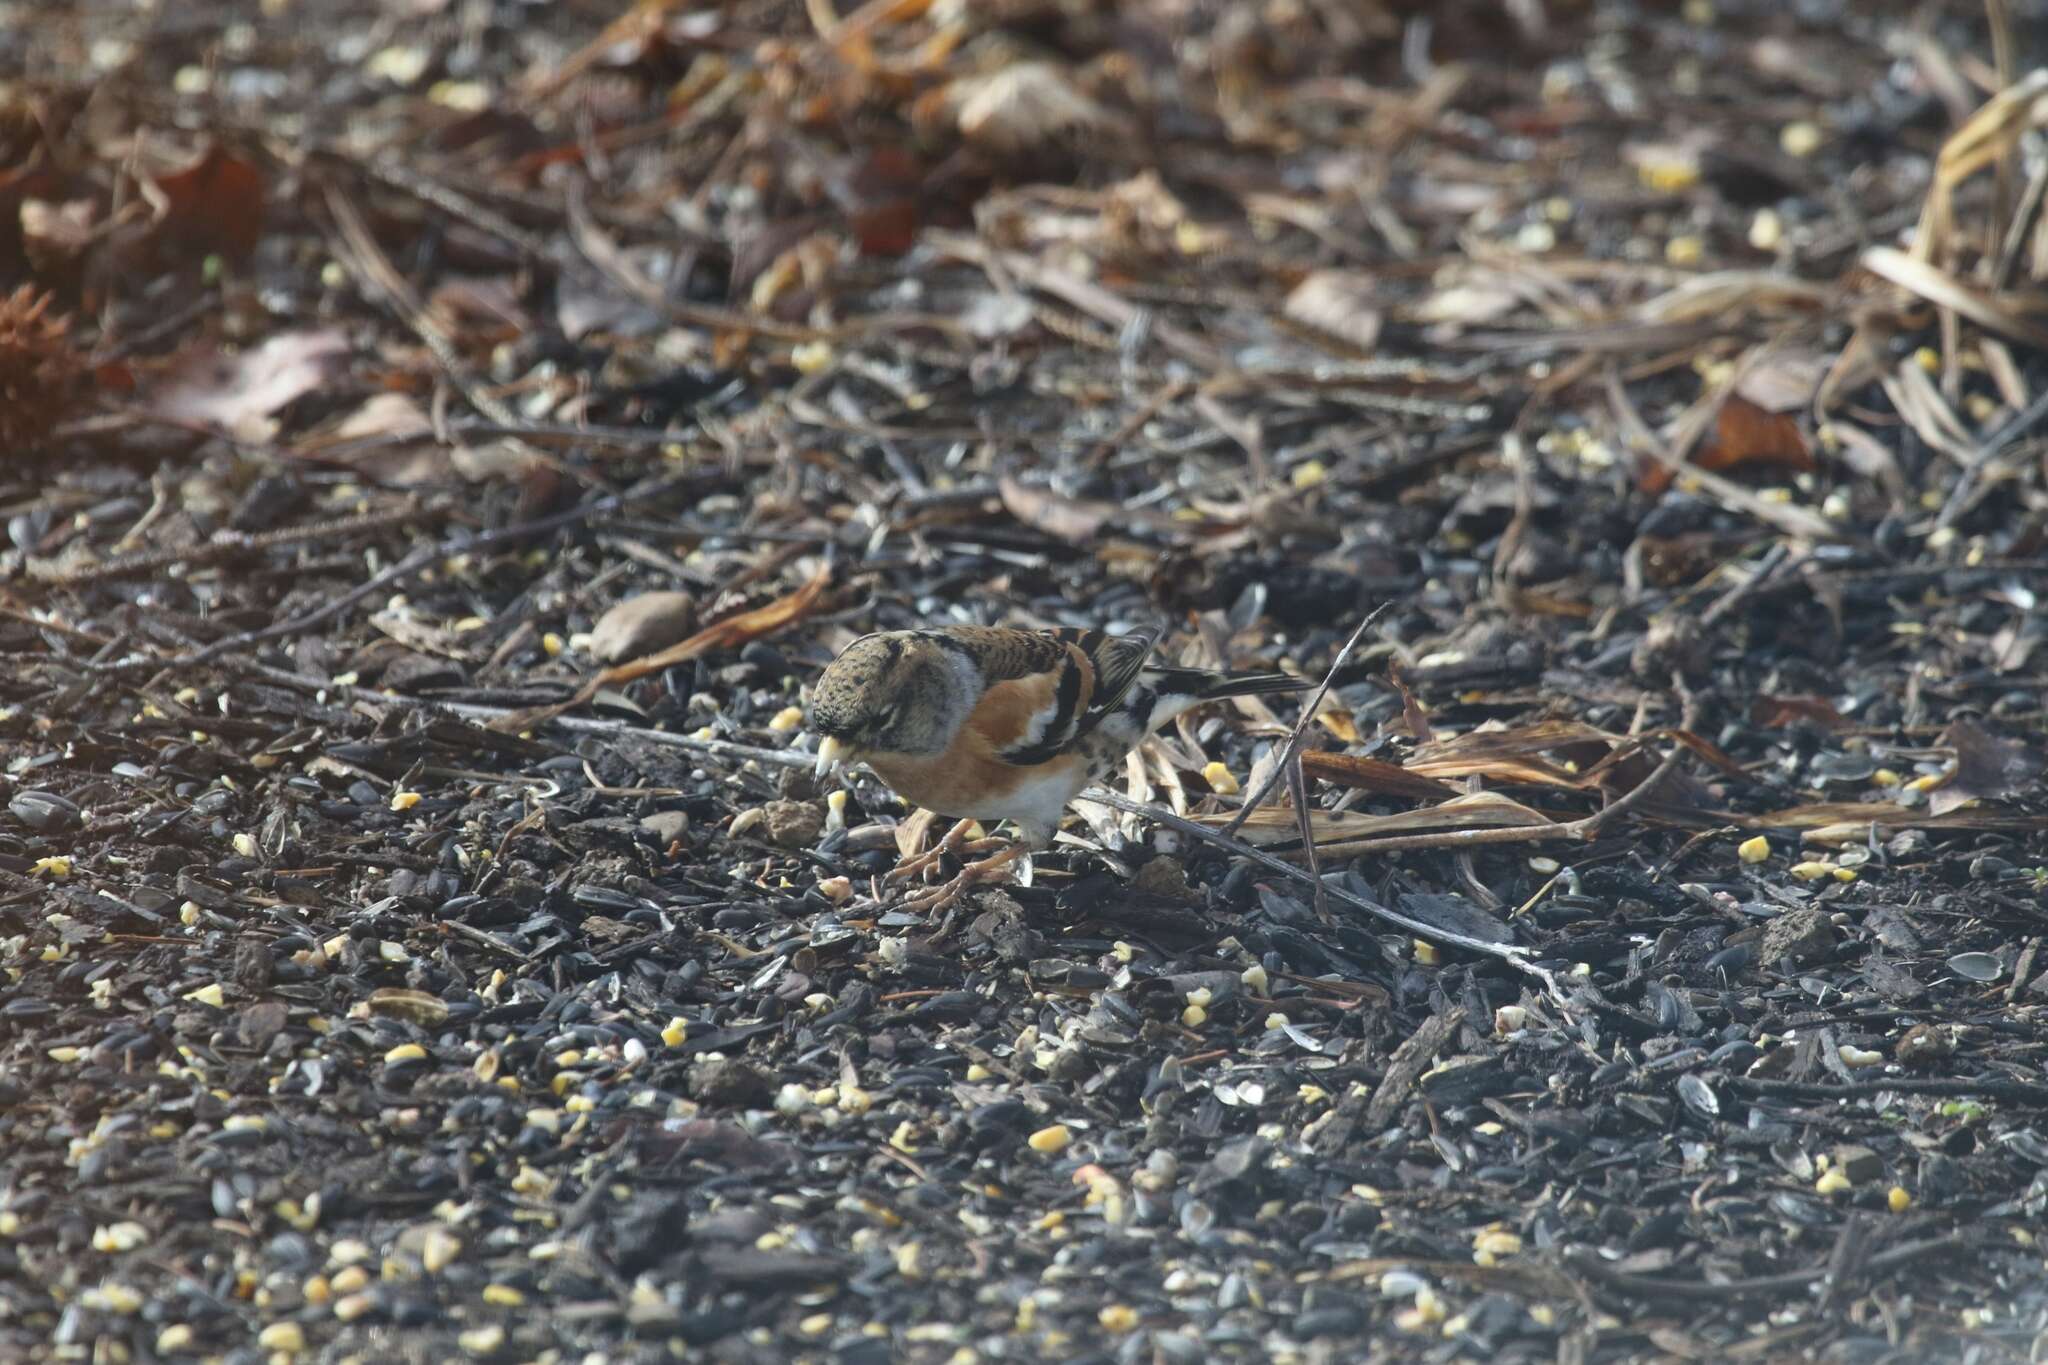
point(944, 898)
point(956, 841)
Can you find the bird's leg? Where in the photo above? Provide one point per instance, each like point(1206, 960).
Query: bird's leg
point(971, 876)
point(955, 840)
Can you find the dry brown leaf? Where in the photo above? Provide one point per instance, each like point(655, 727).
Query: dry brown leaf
point(1744, 434)
point(1582, 757)
point(237, 392)
point(213, 204)
point(1413, 714)
point(1883, 814)
point(1923, 408)
point(1077, 520)
point(1466, 302)
point(1070, 519)
point(1999, 312)
point(1775, 713)
point(1270, 825)
point(1516, 754)
point(647, 621)
point(1987, 768)
point(1868, 456)
point(1023, 108)
point(1787, 383)
point(1374, 775)
point(912, 832)
point(1341, 304)
point(1985, 138)
point(389, 438)
point(1722, 295)
point(734, 630)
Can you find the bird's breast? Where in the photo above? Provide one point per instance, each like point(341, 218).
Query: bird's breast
point(983, 787)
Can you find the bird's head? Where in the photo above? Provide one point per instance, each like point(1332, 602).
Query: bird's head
point(898, 692)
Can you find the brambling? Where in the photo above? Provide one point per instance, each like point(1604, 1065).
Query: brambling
point(988, 723)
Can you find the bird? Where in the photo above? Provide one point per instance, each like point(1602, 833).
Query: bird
point(987, 723)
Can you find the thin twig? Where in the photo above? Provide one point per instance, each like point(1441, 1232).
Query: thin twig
point(717, 748)
point(1585, 1259)
point(1293, 749)
point(1987, 450)
point(461, 543)
point(1513, 954)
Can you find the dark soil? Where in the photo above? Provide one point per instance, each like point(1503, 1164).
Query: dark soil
point(383, 977)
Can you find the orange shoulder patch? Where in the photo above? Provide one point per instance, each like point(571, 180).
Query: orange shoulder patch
point(1008, 710)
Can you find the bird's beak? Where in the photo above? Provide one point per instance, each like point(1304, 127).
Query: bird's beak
point(831, 753)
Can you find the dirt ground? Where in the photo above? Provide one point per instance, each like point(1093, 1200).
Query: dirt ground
point(440, 440)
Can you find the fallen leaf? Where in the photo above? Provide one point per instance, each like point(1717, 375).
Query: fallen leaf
point(1023, 108)
point(389, 438)
point(649, 621)
point(1885, 815)
point(1775, 713)
point(734, 630)
point(1069, 519)
point(1787, 383)
point(1269, 826)
point(237, 392)
point(1744, 434)
point(1413, 715)
point(1987, 768)
point(912, 832)
point(1374, 775)
point(214, 204)
point(1338, 303)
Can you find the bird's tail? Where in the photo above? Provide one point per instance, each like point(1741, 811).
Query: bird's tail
point(1199, 685)
point(1171, 691)
point(1184, 688)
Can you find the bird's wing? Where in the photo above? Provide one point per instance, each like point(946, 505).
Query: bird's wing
point(1116, 660)
point(1044, 688)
